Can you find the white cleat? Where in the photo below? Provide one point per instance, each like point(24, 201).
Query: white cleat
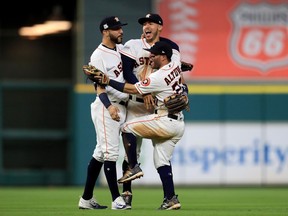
point(90, 204)
point(119, 204)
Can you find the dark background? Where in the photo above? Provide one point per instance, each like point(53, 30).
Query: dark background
point(35, 87)
point(48, 57)
point(24, 13)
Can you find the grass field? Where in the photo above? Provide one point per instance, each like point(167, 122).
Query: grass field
point(54, 201)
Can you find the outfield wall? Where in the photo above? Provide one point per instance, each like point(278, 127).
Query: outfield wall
point(230, 138)
point(225, 154)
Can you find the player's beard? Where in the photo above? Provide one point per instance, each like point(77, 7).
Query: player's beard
point(155, 64)
point(115, 39)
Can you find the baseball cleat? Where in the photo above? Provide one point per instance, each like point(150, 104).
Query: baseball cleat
point(119, 204)
point(90, 204)
point(127, 197)
point(172, 204)
point(131, 174)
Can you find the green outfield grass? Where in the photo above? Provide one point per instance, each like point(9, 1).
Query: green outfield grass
point(54, 201)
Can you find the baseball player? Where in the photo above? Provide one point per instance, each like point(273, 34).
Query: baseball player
point(108, 113)
point(136, 60)
point(163, 128)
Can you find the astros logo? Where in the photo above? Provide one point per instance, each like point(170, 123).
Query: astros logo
point(146, 82)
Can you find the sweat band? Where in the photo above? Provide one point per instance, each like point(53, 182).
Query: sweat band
point(104, 99)
point(185, 89)
point(117, 85)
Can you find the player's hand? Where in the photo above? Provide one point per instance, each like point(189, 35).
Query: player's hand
point(113, 111)
point(101, 78)
point(148, 101)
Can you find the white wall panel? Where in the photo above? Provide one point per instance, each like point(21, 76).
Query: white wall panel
point(223, 153)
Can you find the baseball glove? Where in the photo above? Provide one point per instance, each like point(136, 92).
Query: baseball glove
point(186, 66)
point(176, 103)
point(91, 72)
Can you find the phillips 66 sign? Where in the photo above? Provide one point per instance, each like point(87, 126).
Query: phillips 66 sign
point(230, 39)
point(259, 39)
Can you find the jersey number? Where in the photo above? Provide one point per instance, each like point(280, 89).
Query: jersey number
point(177, 87)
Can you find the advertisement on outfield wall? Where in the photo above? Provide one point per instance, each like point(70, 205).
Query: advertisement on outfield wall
point(229, 39)
point(223, 154)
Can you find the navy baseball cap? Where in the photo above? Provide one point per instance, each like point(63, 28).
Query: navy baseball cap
point(111, 22)
point(161, 48)
point(151, 18)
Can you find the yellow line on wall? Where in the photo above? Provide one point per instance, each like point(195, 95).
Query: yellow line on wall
point(212, 89)
point(84, 88)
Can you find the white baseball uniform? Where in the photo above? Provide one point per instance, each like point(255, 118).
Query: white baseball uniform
point(164, 130)
point(107, 129)
point(134, 49)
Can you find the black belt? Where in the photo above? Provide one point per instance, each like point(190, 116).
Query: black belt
point(121, 103)
point(140, 100)
point(169, 115)
point(173, 116)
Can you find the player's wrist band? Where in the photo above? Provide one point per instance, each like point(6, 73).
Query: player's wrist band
point(117, 85)
point(104, 99)
point(185, 89)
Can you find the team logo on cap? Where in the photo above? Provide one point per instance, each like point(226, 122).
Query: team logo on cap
point(116, 19)
point(148, 15)
point(105, 26)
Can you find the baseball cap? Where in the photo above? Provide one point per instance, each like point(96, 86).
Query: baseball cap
point(111, 22)
point(161, 48)
point(152, 18)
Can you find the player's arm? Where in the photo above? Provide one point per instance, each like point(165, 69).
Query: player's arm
point(123, 87)
point(113, 110)
point(185, 66)
point(128, 57)
point(100, 90)
point(184, 87)
point(128, 65)
point(102, 80)
point(171, 43)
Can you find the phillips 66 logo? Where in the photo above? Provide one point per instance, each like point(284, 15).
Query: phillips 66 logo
point(260, 36)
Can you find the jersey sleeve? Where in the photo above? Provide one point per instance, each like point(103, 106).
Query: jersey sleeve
point(148, 85)
point(128, 65)
point(129, 49)
point(98, 63)
point(176, 57)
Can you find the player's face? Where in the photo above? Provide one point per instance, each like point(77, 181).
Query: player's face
point(151, 31)
point(155, 61)
point(116, 35)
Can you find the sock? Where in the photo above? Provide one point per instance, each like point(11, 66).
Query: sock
point(126, 185)
point(111, 177)
point(125, 143)
point(166, 177)
point(93, 171)
point(132, 149)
